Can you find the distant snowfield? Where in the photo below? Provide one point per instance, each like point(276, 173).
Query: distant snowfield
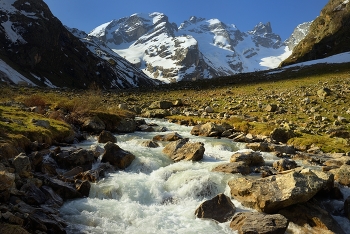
point(272, 62)
point(339, 58)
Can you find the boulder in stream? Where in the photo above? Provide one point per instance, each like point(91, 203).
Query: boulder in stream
point(184, 150)
point(273, 193)
point(219, 208)
point(116, 156)
point(254, 222)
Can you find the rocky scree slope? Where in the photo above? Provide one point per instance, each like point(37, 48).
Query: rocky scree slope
point(329, 34)
point(198, 48)
point(35, 43)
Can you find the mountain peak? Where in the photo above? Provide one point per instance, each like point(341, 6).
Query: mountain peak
point(262, 28)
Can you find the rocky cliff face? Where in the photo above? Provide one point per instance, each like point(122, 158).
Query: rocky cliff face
point(35, 43)
point(298, 34)
point(197, 49)
point(329, 34)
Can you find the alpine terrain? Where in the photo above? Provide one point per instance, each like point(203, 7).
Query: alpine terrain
point(198, 48)
point(36, 48)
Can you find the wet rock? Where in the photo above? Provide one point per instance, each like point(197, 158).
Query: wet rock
point(33, 195)
point(249, 158)
point(254, 222)
point(310, 216)
point(273, 193)
point(184, 150)
point(150, 144)
point(347, 207)
point(206, 129)
point(116, 156)
point(75, 171)
point(94, 124)
point(83, 187)
point(52, 196)
point(174, 136)
point(49, 166)
point(81, 157)
point(106, 136)
point(94, 175)
point(7, 182)
point(219, 208)
point(22, 165)
point(63, 189)
point(145, 128)
point(284, 164)
point(234, 167)
point(126, 125)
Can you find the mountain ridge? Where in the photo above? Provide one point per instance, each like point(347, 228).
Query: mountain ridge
point(198, 48)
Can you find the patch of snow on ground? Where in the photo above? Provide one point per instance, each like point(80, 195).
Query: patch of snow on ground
point(12, 74)
point(273, 61)
point(338, 58)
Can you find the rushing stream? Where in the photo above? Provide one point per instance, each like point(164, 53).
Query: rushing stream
point(155, 195)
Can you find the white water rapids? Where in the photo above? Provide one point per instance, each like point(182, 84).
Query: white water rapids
point(155, 195)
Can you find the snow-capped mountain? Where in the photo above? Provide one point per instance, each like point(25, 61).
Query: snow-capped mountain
point(198, 48)
point(298, 34)
point(37, 49)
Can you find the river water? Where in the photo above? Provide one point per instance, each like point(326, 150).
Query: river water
point(155, 195)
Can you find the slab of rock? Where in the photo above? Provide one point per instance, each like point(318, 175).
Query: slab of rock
point(94, 124)
point(284, 164)
point(342, 175)
point(126, 125)
point(207, 129)
point(174, 136)
point(254, 222)
point(22, 165)
point(161, 105)
point(116, 156)
point(271, 108)
point(81, 157)
point(106, 136)
point(249, 158)
point(150, 144)
point(310, 216)
point(219, 208)
point(282, 135)
point(184, 150)
point(273, 193)
point(234, 167)
point(33, 195)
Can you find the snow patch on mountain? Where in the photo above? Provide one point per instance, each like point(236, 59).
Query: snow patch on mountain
point(199, 48)
point(8, 74)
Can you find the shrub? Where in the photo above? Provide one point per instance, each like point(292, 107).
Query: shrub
point(34, 100)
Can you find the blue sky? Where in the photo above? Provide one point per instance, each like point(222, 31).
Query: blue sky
point(284, 15)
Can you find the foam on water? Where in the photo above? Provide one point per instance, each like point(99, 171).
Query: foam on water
point(155, 195)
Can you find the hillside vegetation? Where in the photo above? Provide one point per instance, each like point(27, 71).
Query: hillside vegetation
point(313, 102)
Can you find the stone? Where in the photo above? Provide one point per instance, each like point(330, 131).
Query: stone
point(174, 136)
point(219, 208)
point(33, 195)
point(94, 124)
point(73, 172)
point(271, 108)
point(282, 135)
point(116, 156)
point(22, 165)
point(41, 123)
point(123, 106)
point(83, 187)
point(150, 144)
point(145, 128)
point(273, 193)
point(249, 158)
point(342, 175)
point(161, 105)
point(284, 164)
point(254, 222)
point(209, 109)
point(311, 218)
point(324, 92)
point(52, 196)
point(126, 125)
point(178, 102)
point(347, 207)
point(65, 190)
point(6, 228)
point(281, 148)
point(156, 113)
point(94, 175)
point(184, 150)
point(206, 129)
point(258, 146)
point(7, 180)
point(106, 136)
point(234, 167)
point(81, 157)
